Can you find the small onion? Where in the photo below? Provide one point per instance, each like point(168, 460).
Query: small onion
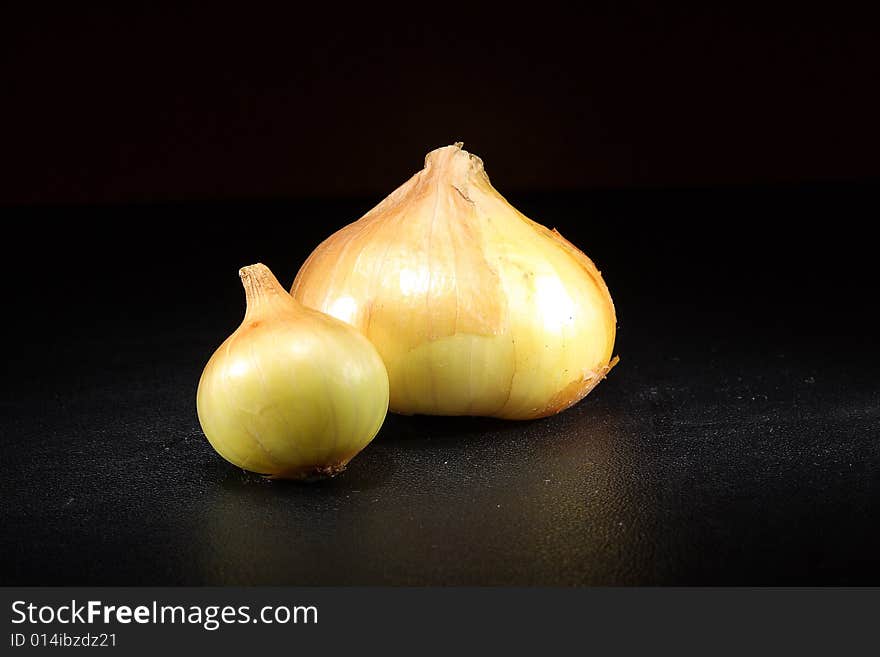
point(474, 308)
point(292, 393)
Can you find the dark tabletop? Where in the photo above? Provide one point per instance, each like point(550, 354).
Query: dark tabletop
point(737, 442)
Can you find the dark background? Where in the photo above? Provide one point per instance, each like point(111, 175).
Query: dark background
point(139, 101)
point(718, 165)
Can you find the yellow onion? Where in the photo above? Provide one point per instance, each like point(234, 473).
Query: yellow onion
point(475, 309)
point(292, 393)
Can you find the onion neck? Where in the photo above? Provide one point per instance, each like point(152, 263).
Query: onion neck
point(456, 166)
point(262, 290)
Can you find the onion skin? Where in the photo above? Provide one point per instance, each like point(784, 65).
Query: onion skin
point(292, 393)
point(475, 309)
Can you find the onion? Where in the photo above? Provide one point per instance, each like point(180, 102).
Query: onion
point(474, 308)
point(292, 393)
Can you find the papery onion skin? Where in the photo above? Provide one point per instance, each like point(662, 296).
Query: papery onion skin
point(293, 393)
point(475, 309)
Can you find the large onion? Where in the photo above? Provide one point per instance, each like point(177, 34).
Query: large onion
point(474, 308)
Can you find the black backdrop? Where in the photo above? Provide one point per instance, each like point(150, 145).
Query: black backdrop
point(143, 100)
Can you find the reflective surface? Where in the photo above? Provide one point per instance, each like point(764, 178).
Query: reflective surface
point(735, 443)
point(682, 468)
